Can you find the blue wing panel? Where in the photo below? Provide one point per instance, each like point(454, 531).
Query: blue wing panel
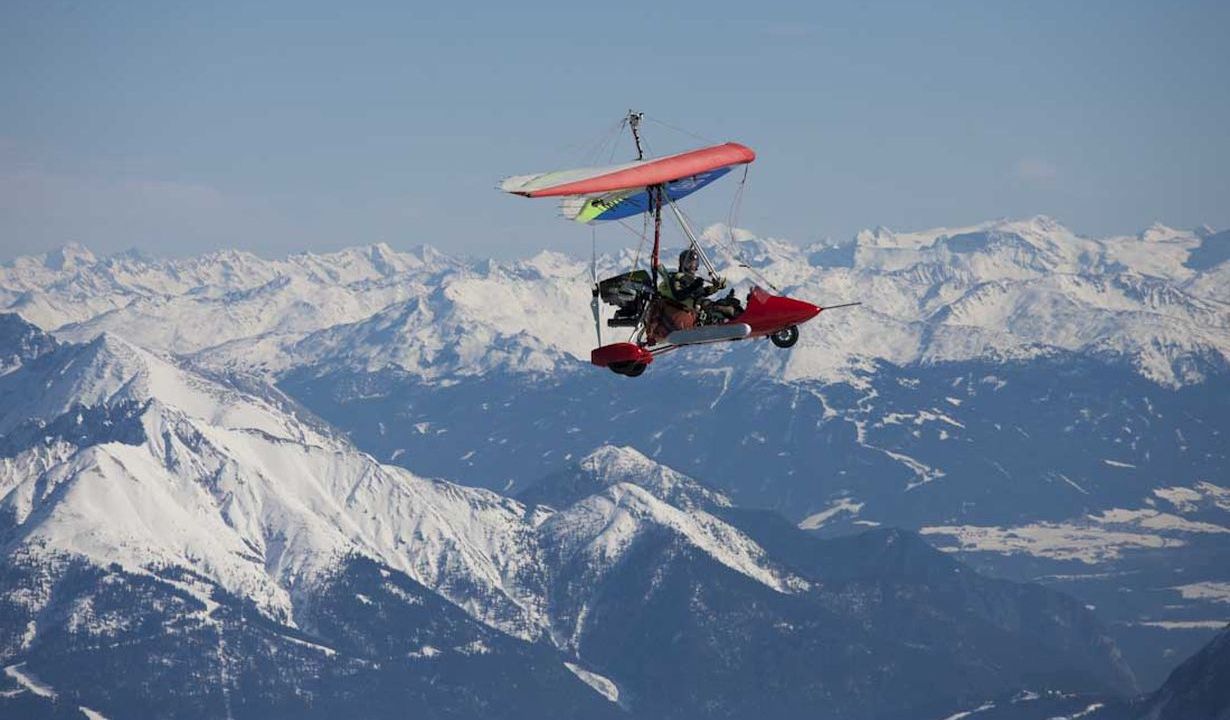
point(681, 188)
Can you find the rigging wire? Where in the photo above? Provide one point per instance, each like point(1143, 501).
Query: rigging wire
point(632, 230)
point(736, 204)
point(732, 218)
point(615, 144)
point(678, 129)
point(594, 149)
point(636, 258)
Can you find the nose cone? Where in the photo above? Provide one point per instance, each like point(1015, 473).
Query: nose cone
point(797, 312)
point(769, 313)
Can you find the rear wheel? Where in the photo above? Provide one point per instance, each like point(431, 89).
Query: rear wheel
point(636, 370)
point(786, 337)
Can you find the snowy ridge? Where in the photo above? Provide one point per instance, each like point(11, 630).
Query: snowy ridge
point(1016, 288)
point(190, 304)
point(468, 327)
point(109, 371)
point(611, 465)
point(603, 527)
point(235, 489)
point(1020, 288)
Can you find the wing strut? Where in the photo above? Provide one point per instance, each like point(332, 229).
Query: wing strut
point(655, 202)
point(687, 230)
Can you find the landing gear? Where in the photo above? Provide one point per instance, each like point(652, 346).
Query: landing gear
point(631, 369)
point(786, 337)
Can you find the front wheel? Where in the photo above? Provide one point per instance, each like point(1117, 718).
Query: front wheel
point(630, 369)
point(786, 337)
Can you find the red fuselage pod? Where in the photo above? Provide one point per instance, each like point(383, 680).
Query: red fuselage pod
point(767, 313)
point(614, 353)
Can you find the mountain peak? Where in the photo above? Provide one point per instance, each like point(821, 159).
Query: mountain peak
point(603, 527)
point(606, 458)
point(383, 258)
point(1045, 223)
point(610, 465)
point(550, 264)
point(106, 371)
point(69, 257)
point(1036, 227)
point(736, 246)
point(1157, 232)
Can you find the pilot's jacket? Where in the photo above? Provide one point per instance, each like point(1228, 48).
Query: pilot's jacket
point(686, 287)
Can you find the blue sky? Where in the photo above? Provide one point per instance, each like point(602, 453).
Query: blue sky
point(285, 126)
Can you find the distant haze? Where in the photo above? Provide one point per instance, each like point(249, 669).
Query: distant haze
point(178, 128)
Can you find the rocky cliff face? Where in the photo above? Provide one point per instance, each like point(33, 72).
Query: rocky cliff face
point(1197, 688)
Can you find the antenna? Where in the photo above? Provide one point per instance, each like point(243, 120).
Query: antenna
point(634, 122)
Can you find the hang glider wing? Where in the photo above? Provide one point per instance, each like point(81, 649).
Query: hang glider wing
point(630, 176)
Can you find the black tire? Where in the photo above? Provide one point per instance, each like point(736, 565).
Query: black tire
point(637, 370)
point(620, 368)
point(786, 337)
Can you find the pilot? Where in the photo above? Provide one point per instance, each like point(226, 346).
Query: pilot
point(690, 289)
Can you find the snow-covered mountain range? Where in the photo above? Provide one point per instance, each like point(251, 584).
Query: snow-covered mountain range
point(243, 447)
point(1157, 301)
point(136, 489)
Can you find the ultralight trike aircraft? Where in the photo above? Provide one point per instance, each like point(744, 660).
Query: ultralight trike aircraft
point(643, 298)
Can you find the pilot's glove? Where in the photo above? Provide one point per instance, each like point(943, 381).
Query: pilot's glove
point(719, 282)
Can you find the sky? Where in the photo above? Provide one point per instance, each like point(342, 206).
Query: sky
point(278, 127)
